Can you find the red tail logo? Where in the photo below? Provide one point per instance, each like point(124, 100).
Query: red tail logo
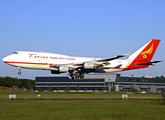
point(148, 52)
point(144, 54)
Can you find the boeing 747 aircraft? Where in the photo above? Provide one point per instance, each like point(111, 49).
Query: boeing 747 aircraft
point(78, 66)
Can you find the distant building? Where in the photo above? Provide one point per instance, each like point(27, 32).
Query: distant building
point(139, 83)
point(108, 82)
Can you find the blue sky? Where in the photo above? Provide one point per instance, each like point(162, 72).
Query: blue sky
point(89, 28)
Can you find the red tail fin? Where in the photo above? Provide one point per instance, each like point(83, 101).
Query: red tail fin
point(144, 54)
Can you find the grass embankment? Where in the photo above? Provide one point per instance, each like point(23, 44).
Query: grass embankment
point(152, 96)
point(81, 110)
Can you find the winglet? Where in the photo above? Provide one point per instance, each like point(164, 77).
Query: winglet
point(126, 54)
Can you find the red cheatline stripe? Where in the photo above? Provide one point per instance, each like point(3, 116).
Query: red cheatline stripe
point(8, 62)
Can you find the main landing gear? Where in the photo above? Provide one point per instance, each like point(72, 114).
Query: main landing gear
point(76, 75)
point(19, 71)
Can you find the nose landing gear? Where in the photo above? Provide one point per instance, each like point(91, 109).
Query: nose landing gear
point(19, 71)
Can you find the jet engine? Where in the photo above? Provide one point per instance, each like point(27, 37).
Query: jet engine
point(63, 69)
point(89, 65)
point(60, 69)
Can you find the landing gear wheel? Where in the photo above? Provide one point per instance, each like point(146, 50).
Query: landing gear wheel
point(71, 76)
point(77, 75)
point(82, 76)
point(19, 73)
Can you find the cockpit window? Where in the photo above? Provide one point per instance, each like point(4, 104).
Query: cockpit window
point(15, 53)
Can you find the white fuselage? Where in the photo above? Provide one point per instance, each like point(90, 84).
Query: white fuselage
point(43, 60)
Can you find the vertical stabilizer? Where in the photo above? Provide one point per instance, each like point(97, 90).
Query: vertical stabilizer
point(142, 55)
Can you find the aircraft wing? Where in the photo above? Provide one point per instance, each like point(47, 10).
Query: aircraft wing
point(112, 58)
point(93, 64)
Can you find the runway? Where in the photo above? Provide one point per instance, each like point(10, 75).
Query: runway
point(81, 93)
point(82, 99)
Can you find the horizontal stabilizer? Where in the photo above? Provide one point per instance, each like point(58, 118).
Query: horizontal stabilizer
point(147, 63)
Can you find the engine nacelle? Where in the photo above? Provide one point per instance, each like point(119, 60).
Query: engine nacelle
point(63, 69)
point(89, 65)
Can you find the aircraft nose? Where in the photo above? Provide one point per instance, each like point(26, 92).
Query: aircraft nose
point(4, 59)
point(8, 58)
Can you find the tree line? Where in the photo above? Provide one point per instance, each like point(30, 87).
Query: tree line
point(18, 83)
point(160, 76)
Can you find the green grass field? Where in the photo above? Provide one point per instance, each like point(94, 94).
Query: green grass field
point(81, 110)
